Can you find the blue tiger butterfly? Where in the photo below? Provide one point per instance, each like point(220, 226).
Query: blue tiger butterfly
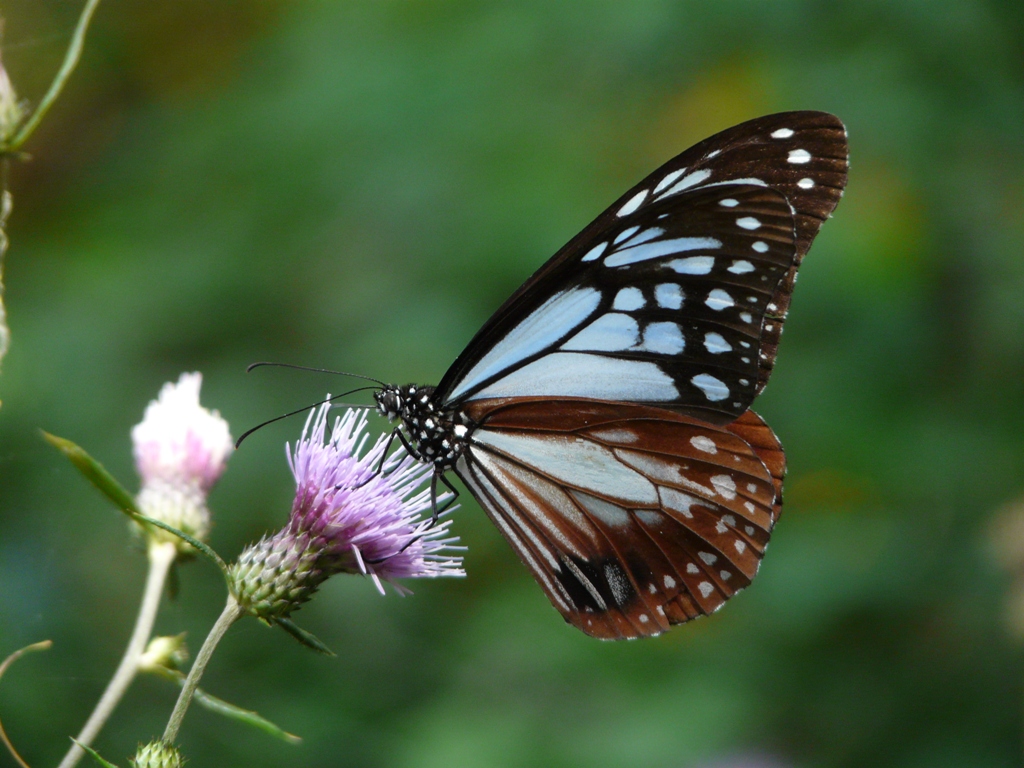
point(601, 416)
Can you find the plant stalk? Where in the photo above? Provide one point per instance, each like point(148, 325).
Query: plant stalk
point(74, 53)
point(232, 613)
point(161, 557)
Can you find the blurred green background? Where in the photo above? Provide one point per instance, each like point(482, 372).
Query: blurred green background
point(358, 185)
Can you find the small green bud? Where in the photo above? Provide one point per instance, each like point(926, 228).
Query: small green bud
point(158, 754)
point(164, 653)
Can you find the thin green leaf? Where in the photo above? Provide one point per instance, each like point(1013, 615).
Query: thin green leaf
point(94, 472)
point(95, 755)
point(246, 716)
point(306, 638)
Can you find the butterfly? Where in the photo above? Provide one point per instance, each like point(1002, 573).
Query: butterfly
point(601, 417)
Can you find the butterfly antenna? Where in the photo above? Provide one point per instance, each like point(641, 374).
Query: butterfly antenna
point(248, 432)
point(314, 370)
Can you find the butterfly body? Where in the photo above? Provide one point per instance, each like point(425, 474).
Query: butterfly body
point(435, 434)
point(602, 416)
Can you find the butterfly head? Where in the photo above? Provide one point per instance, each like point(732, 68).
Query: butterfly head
point(390, 402)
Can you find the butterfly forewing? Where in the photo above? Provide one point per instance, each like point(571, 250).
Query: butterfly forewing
point(665, 309)
point(612, 285)
point(630, 518)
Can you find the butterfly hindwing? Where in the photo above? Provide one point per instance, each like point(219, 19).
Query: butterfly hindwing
point(630, 518)
point(733, 214)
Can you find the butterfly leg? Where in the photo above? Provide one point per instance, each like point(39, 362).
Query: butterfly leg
point(433, 496)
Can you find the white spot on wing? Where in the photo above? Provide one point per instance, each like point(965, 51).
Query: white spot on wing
point(628, 299)
point(741, 267)
point(729, 202)
point(741, 547)
point(707, 557)
point(746, 317)
point(647, 251)
point(748, 222)
point(694, 265)
point(633, 203)
point(692, 568)
point(806, 183)
point(664, 338)
point(760, 246)
point(719, 300)
point(705, 588)
point(713, 389)
point(799, 157)
point(595, 252)
point(626, 233)
point(725, 486)
point(648, 234)
point(702, 443)
point(782, 133)
point(715, 343)
point(669, 178)
point(686, 182)
point(613, 332)
point(668, 295)
point(669, 582)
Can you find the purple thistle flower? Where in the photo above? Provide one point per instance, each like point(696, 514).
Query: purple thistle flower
point(346, 518)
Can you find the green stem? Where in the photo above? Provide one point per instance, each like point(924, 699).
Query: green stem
point(43, 646)
point(74, 53)
point(232, 613)
point(161, 557)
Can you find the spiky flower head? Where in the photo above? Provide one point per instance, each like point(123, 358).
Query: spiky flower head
point(180, 450)
point(347, 517)
point(157, 754)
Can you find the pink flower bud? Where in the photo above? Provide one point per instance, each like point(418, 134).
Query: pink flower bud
point(180, 450)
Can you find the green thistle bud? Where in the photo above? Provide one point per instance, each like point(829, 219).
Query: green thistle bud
point(276, 575)
point(158, 754)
